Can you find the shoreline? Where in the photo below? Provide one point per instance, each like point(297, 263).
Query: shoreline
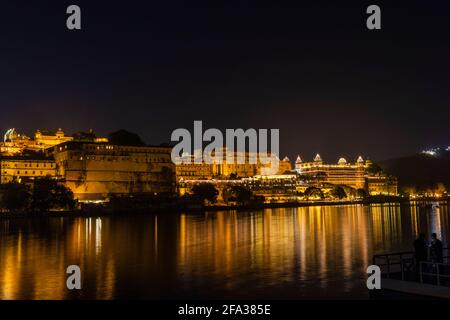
point(108, 211)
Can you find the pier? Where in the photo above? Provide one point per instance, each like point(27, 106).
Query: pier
point(401, 275)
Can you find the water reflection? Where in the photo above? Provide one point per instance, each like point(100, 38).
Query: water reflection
point(313, 252)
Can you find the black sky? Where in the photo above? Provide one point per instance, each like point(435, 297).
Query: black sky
point(311, 69)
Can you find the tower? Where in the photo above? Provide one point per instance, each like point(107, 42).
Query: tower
point(298, 164)
point(318, 160)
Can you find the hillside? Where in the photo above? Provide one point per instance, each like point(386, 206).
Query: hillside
point(426, 171)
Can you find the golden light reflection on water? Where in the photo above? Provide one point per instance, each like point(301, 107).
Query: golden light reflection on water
point(276, 253)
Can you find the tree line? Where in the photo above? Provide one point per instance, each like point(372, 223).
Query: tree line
point(207, 193)
point(42, 195)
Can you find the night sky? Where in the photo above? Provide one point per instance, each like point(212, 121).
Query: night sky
point(311, 69)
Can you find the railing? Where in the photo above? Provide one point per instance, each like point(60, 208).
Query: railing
point(393, 263)
point(402, 265)
point(442, 270)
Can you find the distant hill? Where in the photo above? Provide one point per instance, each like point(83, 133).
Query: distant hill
point(429, 170)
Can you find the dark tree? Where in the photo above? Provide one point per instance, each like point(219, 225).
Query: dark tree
point(205, 191)
point(63, 198)
point(49, 194)
point(339, 192)
point(227, 195)
point(233, 176)
point(125, 138)
point(313, 192)
point(242, 194)
point(361, 193)
point(14, 196)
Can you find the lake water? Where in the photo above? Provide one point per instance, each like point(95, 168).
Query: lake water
point(296, 253)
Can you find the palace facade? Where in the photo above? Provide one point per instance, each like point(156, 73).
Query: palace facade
point(342, 173)
point(25, 169)
point(44, 139)
point(249, 165)
point(187, 169)
point(356, 175)
point(15, 143)
point(382, 184)
point(95, 170)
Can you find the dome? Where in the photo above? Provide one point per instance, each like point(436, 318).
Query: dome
point(286, 159)
point(342, 161)
point(299, 160)
point(360, 159)
point(317, 158)
point(10, 135)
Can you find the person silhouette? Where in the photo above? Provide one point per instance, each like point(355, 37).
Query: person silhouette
point(436, 249)
point(420, 250)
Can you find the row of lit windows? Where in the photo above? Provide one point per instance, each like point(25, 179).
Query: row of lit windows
point(337, 170)
point(121, 148)
point(30, 165)
point(97, 147)
point(344, 179)
point(105, 158)
point(194, 168)
point(193, 173)
point(25, 172)
point(247, 165)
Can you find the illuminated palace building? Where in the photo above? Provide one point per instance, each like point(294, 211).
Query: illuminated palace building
point(90, 166)
point(95, 170)
point(21, 157)
point(26, 168)
point(188, 169)
point(358, 175)
point(15, 143)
